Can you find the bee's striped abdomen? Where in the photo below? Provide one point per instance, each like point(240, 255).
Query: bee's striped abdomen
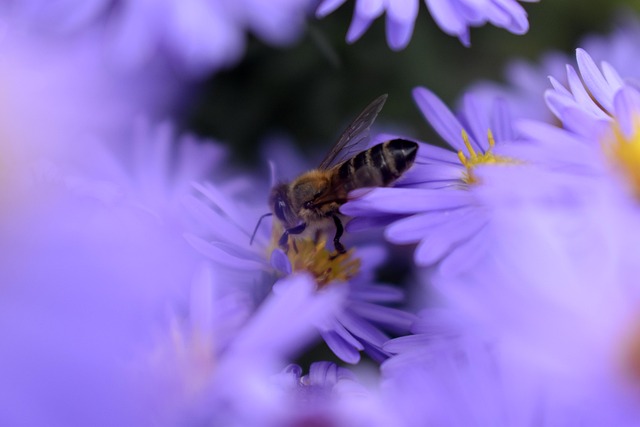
point(378, 166)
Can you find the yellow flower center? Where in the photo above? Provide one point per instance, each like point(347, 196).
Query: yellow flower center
point(312, 256)
point(625, 152)
point(475, 159)
point(326, 266)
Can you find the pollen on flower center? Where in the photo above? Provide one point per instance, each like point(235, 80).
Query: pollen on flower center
point(326, 266)
point(625, 152)
point(312, 256)
point(475, 159)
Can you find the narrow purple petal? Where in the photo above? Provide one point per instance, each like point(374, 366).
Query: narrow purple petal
point(280, 261)
point(225, 254)
point(466, 256)
point(627, 109)
point(401, 15)
point(362, 329)
point(517, 17)
point(594, 80)
point(440, 117)
point(446, 16)
point(410, 342)
point(345, 335)
point(340, 347)
point(443, 238)
point(580, 93)
point(583, 123)
point(378, 293)
point(428, 154)
point(414, 228)
point(358, 27)
point(612, 76)
point(433, 172)
point(398, 33)
point(501, 121)
point(406, 200)
point(393, 318)
point(475, 121)
point(327, 7)
point(369, 9)
point(363, 223)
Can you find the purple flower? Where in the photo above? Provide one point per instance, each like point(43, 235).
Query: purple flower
point(600, 126)
point(363, 318)
point(557, 304)
point(436, 203)
point(197, 36)
point(60, 86)
point(218, 363)
point(454, 17)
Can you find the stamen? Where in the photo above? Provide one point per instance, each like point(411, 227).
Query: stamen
point(475, 159)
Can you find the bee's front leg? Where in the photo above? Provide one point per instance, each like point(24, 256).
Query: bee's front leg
point(284, 239)
point(336, 239)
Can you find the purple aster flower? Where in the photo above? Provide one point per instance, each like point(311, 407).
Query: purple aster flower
point(454, 17)
point(600, 118)
point(197, 36)
point(230, 216)
point(436, 204)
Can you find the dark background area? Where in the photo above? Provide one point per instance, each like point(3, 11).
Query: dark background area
point(311, 90)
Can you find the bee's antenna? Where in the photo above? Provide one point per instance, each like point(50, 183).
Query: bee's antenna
point(255, 230)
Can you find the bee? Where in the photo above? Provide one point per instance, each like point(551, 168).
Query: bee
point(312, 201)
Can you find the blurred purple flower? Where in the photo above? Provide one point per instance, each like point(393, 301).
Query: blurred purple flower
point(328, 395)
point(554, 312)
point(454, 17)
point(436, 202)
point(196, 36)
point(218, 363)
point(53, 89)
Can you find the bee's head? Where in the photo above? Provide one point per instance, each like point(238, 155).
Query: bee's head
point(281, 206)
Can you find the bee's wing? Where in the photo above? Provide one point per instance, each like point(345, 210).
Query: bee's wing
point(357, 133)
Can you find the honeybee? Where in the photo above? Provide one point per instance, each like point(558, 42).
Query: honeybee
point(312, 201)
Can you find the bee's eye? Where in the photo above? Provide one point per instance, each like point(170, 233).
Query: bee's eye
point(278, 208)
point(308, 205)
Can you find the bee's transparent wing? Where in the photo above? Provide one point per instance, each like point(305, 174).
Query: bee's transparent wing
point(355, 136)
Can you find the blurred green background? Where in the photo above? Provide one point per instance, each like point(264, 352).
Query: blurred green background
point(311, 90)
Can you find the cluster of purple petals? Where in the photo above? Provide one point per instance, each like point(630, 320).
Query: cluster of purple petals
point(131, 293)
point(543, 329)
point(194, 37)
point(454, 17)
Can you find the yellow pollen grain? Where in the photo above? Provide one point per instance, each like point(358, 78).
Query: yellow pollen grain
point(474, 159)
point(625, 153)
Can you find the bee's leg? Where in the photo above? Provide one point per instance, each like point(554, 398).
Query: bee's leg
point(284, 239)
point(336, 239)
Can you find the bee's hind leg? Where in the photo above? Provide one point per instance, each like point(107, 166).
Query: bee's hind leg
point(336, 239)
